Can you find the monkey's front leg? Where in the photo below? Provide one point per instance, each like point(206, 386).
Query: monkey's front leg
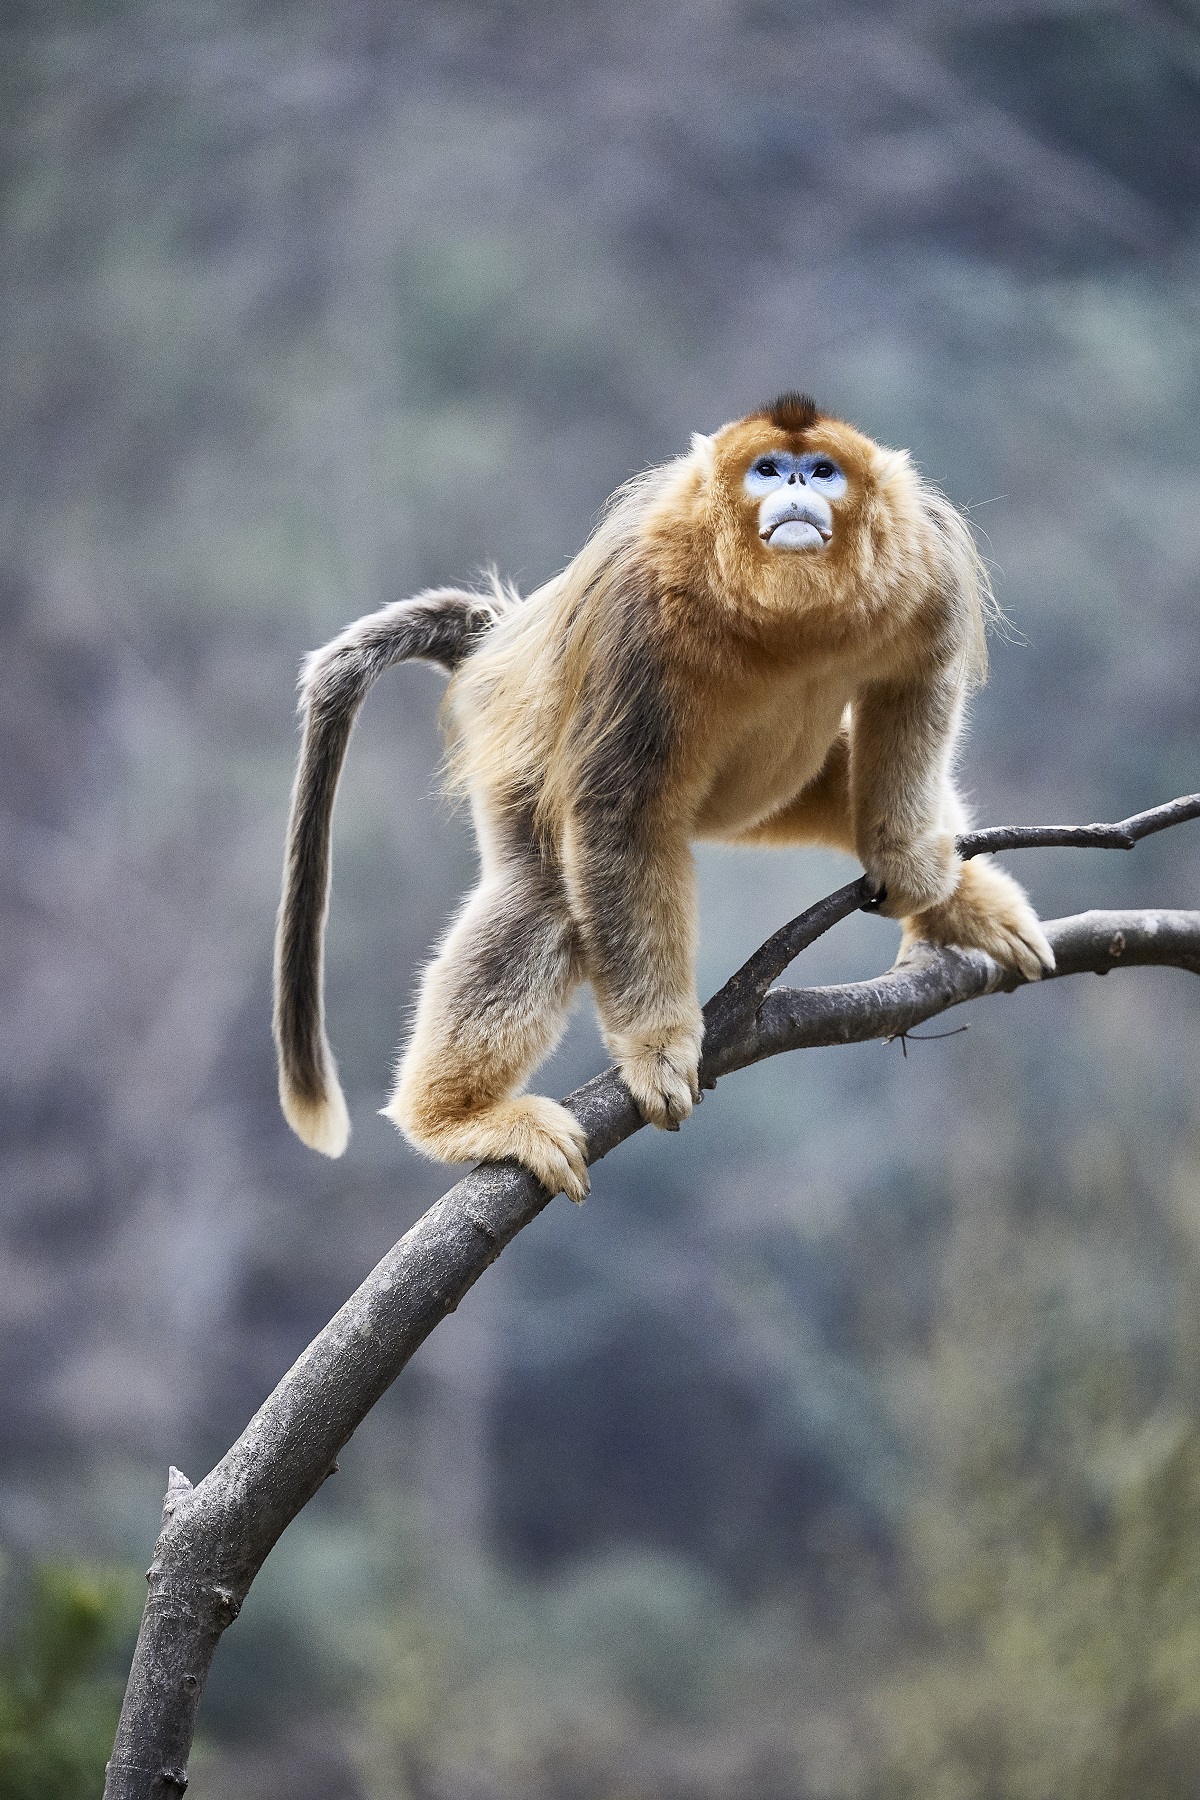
point(633, 894)
point(907, 815)
point(905, 812)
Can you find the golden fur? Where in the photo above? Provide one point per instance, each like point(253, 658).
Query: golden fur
point(681, 679)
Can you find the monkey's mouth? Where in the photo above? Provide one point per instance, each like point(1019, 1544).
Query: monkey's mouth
point(798, 527)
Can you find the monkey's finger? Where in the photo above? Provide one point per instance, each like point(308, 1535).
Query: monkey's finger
point(575, 1185)
point(576, 1181)
point(1039, 943)
point(1023, 957)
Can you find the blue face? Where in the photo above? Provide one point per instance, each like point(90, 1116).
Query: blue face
point(780, 469)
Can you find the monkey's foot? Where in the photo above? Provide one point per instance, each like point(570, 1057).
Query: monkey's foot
point(988, 911)
point(538, 1133)
point(664, 1079)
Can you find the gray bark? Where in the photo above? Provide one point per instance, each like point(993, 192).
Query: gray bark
point(216, 1536)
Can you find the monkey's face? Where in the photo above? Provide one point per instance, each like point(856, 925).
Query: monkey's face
point(800, 513)
point(793, 494)
point(791, 502)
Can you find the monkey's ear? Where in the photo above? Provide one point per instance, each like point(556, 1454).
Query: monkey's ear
point(702, 450)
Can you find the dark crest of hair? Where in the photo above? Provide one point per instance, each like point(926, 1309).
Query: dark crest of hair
point(792, 412)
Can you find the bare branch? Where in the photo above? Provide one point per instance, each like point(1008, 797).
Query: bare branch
point(744, 990)
point(215, 1536)
point(1122, 836)
point(932, 981)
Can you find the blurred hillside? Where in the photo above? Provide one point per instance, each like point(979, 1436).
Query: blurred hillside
point(847, 1443)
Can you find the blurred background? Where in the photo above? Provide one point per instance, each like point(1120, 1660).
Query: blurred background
point(848, 1444)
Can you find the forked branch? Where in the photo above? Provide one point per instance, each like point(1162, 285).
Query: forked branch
point(216, 1536)
point(744, 990)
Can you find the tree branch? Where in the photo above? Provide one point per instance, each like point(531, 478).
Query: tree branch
point(745, 989)
point(1082, 837)
point(216, 1536)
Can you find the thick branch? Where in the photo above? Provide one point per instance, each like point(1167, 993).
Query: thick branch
point(935, 980)
point(216, 1536)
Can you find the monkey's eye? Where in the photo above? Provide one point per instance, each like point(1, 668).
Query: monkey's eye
point(825, 475)
point(766, 472)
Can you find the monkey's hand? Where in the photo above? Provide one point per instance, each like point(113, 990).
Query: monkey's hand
point(916, 875)
point(662, 1072)
point(988, 911)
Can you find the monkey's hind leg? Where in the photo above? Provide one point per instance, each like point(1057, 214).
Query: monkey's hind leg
point(492, 1005)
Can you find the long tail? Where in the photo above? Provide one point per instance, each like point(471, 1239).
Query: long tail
point(440, 626)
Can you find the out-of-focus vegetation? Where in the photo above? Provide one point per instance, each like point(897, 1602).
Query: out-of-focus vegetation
point(1057, 1561)
point(845, 1444)
point(64, 1653)
point(1066, 1642)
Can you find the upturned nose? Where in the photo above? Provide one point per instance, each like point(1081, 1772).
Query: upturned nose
point(797, 475)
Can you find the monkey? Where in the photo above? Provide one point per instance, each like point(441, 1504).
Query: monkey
point(768, 640)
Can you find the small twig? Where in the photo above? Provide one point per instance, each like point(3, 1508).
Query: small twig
point(1122, 836)
point(922, 1037)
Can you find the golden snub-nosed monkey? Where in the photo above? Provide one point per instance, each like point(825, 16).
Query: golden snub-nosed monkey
point(768, 640)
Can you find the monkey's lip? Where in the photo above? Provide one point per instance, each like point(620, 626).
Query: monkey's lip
point(816, 534)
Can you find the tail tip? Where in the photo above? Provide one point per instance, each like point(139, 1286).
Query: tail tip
point(322, 1123)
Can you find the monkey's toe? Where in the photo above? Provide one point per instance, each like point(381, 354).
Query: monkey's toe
point(1024, 948)
point(1015, 939)
point(911, 878)
point(1034, 939)
point(988, 912)
point(665, 1085)
point(565, 1176)
point(551, 1144)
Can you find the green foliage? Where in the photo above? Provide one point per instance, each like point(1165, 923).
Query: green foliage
point(1067, 1667)
point(543, 1687)
point(60, 1691)
point(1055, 1553)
